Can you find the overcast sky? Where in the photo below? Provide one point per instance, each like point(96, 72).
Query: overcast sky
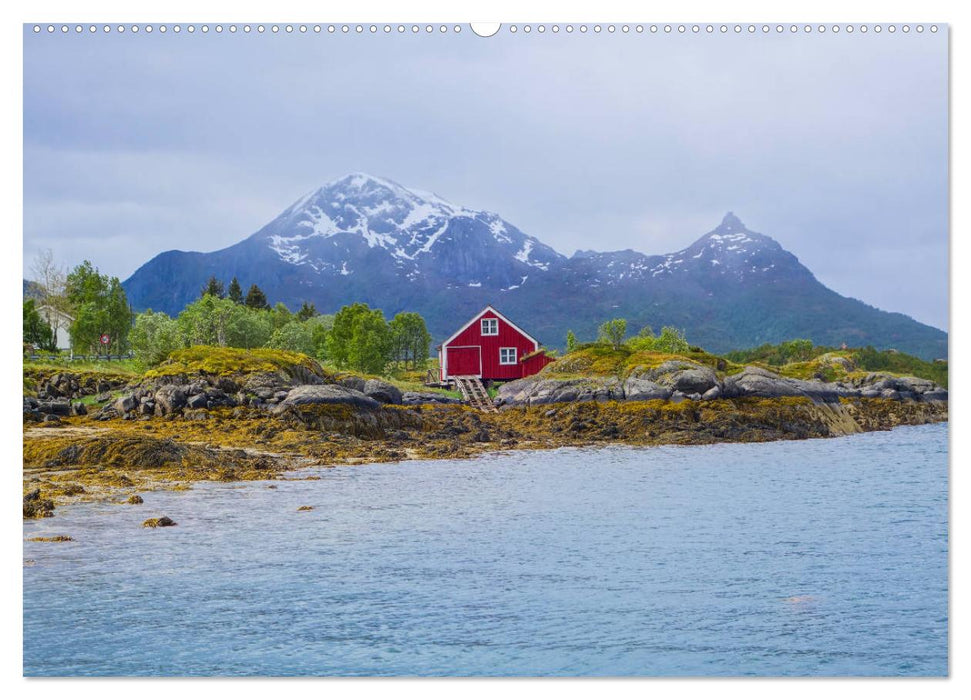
point(835, 145)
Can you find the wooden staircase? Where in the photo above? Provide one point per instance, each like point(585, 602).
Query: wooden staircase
point(474, 393)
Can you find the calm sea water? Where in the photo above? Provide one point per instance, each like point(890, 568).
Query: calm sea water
point(821, 557)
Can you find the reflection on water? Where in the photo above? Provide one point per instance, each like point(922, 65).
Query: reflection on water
point(825, 557)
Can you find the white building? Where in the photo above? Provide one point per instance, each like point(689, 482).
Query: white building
point(60, 322)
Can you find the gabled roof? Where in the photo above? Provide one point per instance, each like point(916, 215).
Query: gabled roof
point(478, 316)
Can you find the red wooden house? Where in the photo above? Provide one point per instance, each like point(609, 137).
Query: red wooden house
point(490, 346)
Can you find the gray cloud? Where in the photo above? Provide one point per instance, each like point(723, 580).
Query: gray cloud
point(836, 145)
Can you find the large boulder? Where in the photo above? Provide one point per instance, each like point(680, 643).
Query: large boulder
point(196, 401)
point(680, 375)
point(55, 408)
point(533, 391)
point(641, 389)
point(126, 403)
point(169, 398)
point(311, 394)
point(382, 391)
point(755, 381)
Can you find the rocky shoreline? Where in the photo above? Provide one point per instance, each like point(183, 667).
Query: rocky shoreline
point(168, 431)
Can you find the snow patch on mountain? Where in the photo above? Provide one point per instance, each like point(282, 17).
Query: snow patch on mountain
point(407, 223)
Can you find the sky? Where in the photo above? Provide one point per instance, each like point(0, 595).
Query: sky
point(836, 145)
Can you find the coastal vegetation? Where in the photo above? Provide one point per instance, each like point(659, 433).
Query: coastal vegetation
point(227, 391)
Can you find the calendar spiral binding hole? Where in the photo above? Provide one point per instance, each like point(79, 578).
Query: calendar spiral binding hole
point(447, 29)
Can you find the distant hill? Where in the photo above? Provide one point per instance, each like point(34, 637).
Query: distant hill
point(32, 290)
point(363, 238)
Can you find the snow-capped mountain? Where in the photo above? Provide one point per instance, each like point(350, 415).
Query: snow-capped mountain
point(366, 238)
point(361, 217)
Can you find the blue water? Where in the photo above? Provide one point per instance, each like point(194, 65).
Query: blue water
point(820, 557)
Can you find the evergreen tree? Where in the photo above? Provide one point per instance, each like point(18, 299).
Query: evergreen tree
point(256, 299)
point(235, 292)
point(307, 311)
point(214, 288)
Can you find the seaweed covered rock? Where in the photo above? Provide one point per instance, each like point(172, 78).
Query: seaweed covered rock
point(37, 507)
point(164, 521)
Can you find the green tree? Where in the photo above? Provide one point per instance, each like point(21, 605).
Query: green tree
point(206, 321)
point(571, 341)
point(295, 336)
point(409, 339)
point(214, 288)
point(235, 292)
point(100, 308)
point(320, 327)
point(256, 299)
point(248, 328)
point(671, 340)
point(307, 311)
point(36, 331)
point(612, 332)
point(154, 336)
point(280, 315)
point(360, 339)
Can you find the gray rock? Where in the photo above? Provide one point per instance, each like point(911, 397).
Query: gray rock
point(416, 398)
point(382, 391)
point(936, 395)
point(126, 403)
point(55, 408)
point(311, 394)
point(198, 414)
point(640, 389)
point(226, 385)
point(217, 397)
point(197, 401)
point(147, 408)
point(355, 383)
point(196, 388)
point(694, 381)
point(755, 381)
point(169, 399)
point(713, 393)
point(533, 392)
point(79, 409)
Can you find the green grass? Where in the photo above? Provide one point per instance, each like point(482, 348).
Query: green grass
point(131, 368)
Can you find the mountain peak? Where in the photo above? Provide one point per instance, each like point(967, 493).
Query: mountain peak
point(731, 223)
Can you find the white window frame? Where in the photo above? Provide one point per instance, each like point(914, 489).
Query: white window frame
point(490, 322)
point(515, 356)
